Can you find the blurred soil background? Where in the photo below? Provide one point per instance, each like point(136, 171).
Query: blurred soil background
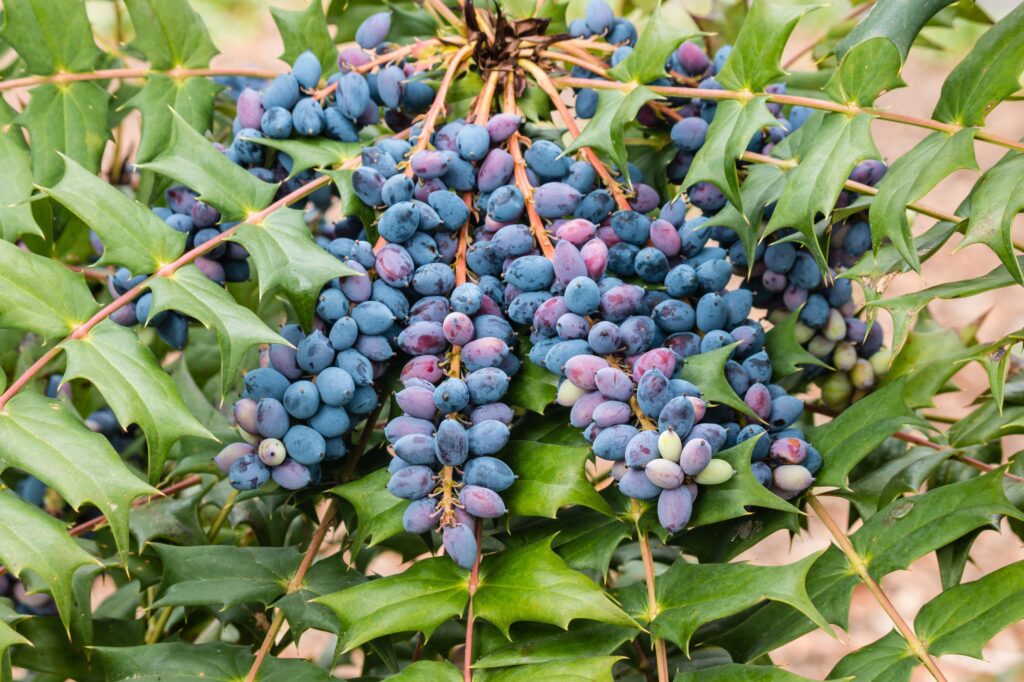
point(246, 36)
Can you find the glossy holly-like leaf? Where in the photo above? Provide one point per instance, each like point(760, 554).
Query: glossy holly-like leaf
point(725, 540)
point(987, 75)
point(729, 134)
point(532, 583)
point(41, 438)
point(549, 477)
point(895, 476)
point(40, 295)
point(543, 644)
point(171, 34)
point(707, 370)
point(428, 671)
point(50, 35)
point(8, 637)
point(70, 119)
point(16, 189)
point(829, 146)
point(647, 60)
point(585, 538)
point(378, 511)
point(418, 600)
point(997, 199)
point(303, 30)
point(289, 261)
point(132, 235)
point(737, 671)
point(325, 577)
point(869, 69)
point(964, 618)
point(787, 355)
point(171, 519)
point(187, 662)
point(350, 203)
point(224, 576)
point(761, 187)
point(873, 267)
point(690, 595)
point(909, 178)
point(534, 388)
point(754, 60)
point(734, 498)
point(848, 438)
point(898, 20)
point(887, 659)
point(605, 131)
point(238, 329)
point(113, 360)
point(192, 98)
point(986, 424)
point(309, 153)
point(32, 540)
point(597, 669)
point(190, 159)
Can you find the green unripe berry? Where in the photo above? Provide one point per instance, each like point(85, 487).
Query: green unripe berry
point(836, 390)
point(835, 328)
point(820, 347)
point(272, 452)
point(862, 375)
point(670, 445)
point(844, 356)
point(716, 472)
point(881, 360)
point(802, 333)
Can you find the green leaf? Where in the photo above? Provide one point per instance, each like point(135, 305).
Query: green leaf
point(50, 35)
point(32, 540)
point(909, 178)
point(997, 199)
point(829, 146)
point(724, 541)
point(964, 618)
point(872, 268)
point(754, 60)
point(729, 134)
point(586, 539)
point(898, 20)
point(192, 98)
point(707, 372)
point(40, 295)
point(597, 669)
point(548, 477)
point(16, 190)
point(605, 131)
point(885, 660)
point(314, 153)
point(224, 576)
point(113, 359)
point(408, 21)
point(987, 75)
point(733, 498)
point(545, 644)
point(647, 60)
point(238, 329)
point(869, 69)
point(351, 205)
point(737, 671)
point(71, 119)
point(187, 662)
point(379, 512)
point(848, 438)
point(171, 519)
point(53, 654)
point(787, 355)
point(761, 187)
point(190, 159)
point(287, 259)
point(532, 583)
point(303, 30)
point(325, 577)
point(8, 637)
point(428, 671)
point(41, 438)
point(132, 235)
point(534, 388)
point(893, 478)
point(418, 600)
point(691, 595)
point(171, 34)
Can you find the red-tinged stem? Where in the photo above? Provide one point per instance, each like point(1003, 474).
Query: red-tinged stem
point(98, 274)
point(853, 14)
point(186, 258)
point(660, 652)
point(112, 74)
point(859, 566)
point(430, 120)
point(474, 583)
point(522, 181)
point(548, 86)
point(446, 12)
point(809, 102)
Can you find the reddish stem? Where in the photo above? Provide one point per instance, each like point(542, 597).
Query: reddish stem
point(112, 74)
point(474, 583)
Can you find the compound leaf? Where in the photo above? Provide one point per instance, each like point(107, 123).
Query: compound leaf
point(998, 197)
point(132, 235)
point(887, 659)
point(606, 130)
point(238, 329)
point(550, 477)
point(70, 119)
point(378, 511)
point(50, 35)
point(647, 60)
point(113, 359)
point(192, 98)
point(870, 68)
point(171, 34)
point(707, 370)
point(754, 60)
point(40, 295)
